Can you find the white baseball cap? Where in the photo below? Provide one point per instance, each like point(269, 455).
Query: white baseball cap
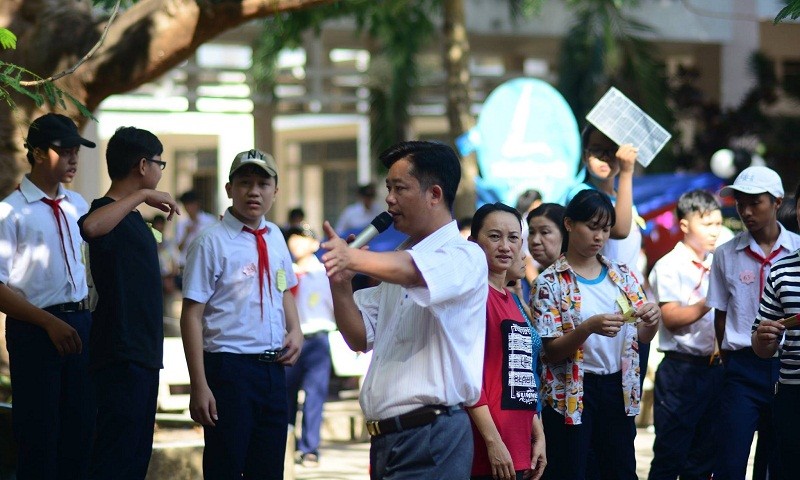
point(755, 180)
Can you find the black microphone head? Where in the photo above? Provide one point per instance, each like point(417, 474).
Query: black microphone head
point(382, 222)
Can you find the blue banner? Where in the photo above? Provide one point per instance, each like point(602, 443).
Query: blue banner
point(526, 138)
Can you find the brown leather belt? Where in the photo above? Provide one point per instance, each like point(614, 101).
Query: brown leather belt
point(413, 419)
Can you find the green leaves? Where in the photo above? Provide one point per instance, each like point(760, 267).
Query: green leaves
point(11, 83)
point(7, 39)
point(791, 10)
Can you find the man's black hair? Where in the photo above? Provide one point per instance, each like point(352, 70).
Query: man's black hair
point(433, 163)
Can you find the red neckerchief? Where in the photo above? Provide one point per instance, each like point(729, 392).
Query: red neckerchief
point(263, 263)
point(703, 272)
point(764, 262)
point(59, 214)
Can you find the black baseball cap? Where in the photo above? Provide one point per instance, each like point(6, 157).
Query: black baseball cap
point(55, 129)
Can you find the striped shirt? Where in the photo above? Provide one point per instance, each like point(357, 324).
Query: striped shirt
point(427, 341)
point(781, 299)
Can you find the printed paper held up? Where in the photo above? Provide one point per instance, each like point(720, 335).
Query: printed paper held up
point(624, 122)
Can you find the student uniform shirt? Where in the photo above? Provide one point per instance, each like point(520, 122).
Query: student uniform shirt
point(182, 235)
point(357, 215)
point(222, 272)
point(679, 277)
point(781, 299)
point(735, 281)
point(32, 261)
point(428, 341)
point(313, 298)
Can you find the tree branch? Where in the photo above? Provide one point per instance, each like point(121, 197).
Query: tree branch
point(71, 70)
point(154, 36)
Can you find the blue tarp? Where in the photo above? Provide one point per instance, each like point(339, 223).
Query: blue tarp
point(656, 192)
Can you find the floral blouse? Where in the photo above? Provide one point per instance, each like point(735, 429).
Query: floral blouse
point(556, 307)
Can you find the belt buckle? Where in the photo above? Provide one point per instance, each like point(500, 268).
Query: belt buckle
point(271, 356)
point(372, 427)
point(268, 356)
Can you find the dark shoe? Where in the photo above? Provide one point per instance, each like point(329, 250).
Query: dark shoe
point(310, 460)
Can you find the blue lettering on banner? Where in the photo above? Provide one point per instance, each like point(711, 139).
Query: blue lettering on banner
point(526, 137)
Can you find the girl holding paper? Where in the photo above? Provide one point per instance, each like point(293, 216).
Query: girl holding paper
point(606, 163)
point(591, 313)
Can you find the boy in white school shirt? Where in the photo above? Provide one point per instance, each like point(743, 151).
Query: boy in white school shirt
point(689, 379)
point(738, 274)
point(43, 291)
point(240, 328)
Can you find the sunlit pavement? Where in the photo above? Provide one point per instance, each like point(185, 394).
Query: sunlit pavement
point(350, 460)
point(340, 457)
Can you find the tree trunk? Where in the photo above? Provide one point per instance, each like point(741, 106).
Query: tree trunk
point(458, 98)
point(143, 43)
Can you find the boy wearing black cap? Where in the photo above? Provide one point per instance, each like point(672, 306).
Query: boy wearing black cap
point(240, 328)
point(127, 331)
point(43, 292)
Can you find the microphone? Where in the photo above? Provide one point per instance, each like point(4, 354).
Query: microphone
point(378, 225)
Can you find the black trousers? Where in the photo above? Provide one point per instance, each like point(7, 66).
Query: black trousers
point(786, 419)
point(53, 407)
point(126, 413)
point(249, 439)
point(686, 415)
point(601, 447)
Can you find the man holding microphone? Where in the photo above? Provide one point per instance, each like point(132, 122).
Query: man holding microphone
point(425, 321)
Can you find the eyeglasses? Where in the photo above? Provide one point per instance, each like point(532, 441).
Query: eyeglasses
point(600, 153)
point(161, 164)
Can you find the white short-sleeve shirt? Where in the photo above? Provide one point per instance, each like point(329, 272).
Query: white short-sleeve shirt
point(222, 272)
point(32, 261)
point(313, 298)
point(183, 235)
point(679, 277)
point(734, 284)
point(357, 215)
point(427, 342)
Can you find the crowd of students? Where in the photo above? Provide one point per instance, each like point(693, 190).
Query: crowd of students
point(730, 365)
point(551, 383)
